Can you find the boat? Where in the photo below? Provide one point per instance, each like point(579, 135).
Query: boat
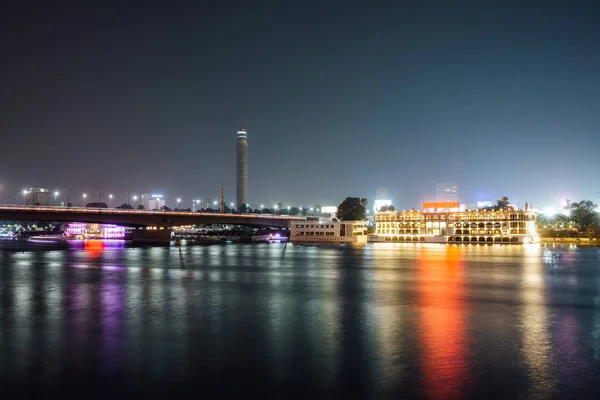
point(328, 231)
point(451, 225)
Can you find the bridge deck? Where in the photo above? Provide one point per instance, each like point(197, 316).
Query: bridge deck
point(141, 217)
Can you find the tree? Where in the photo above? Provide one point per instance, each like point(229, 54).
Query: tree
point(245, 209)
point(502, 203)
point(140, 207)
point(583, 214)
point(387, 208)
point(125, 206)
point(352, 209)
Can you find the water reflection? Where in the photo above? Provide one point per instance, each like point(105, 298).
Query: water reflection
point(380, 321)
point(442, 322)
point(534, 322)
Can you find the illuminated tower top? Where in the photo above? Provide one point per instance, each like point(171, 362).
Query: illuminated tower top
point(242, 167)
point(241, 134)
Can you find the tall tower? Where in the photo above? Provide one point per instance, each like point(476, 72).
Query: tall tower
point(222, 202)
point(242, 167)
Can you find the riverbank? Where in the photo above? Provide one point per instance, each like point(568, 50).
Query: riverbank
point(585, 242)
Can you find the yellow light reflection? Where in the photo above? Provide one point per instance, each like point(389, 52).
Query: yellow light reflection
point(537, 344)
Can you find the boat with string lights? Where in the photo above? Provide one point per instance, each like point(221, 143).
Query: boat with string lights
point(445, 222)
point(82, 231)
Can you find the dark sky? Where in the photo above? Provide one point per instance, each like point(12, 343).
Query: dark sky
point(338, 97)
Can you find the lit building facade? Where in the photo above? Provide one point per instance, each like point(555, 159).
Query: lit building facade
point(329, 231)
point(242, 167)
point(481, 226)
point(381, 203)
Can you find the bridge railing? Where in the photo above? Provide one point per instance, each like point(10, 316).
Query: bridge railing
point(84, 210)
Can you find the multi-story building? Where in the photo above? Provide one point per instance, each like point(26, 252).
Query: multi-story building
point(446, 192)
point(37, 197)
point(153, 201)
point(482, 226)
point(329, 231)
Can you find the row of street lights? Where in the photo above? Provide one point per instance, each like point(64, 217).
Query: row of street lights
point(57, 193)
point(135, 198)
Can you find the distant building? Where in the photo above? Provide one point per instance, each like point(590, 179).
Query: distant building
point(37, 197)
point(381, 193)
point(446, 192)
point(331, 210)
point(380, 203)
point(483, 204)
point(153, 201)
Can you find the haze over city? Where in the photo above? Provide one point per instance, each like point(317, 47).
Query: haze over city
point(337, 99)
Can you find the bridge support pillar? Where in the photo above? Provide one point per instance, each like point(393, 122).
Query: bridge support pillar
point(143, 236)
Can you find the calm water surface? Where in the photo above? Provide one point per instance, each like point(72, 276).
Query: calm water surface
point(381, 321)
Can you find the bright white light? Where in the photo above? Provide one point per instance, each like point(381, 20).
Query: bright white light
point(55, 194)
point(24, 192)
point(134, 197)
point(110, 196)
point(215, 203)
point(84, 195)
point(178, 200)
point(261, 206)
point(231, 204)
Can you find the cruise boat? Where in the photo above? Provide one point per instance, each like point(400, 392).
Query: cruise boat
point(326, 231)
point(448, 224)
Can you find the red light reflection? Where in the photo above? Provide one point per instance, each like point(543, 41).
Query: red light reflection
point(94, 248)
point(442, 322)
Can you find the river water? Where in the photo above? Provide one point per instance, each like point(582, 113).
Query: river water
point(97, 319)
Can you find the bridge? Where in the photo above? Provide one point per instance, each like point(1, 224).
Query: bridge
point(142, 218)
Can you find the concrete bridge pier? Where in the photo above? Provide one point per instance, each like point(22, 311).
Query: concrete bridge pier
point(151, 236)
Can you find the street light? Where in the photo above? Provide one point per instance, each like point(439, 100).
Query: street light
point(215, 207)
point(232, 208)
point(178, 204)
point(261, 209)
point(110, 196)
point(275, 207)
point(288, 210)
point(55, 196)
point(84, 196)
point(25, 196)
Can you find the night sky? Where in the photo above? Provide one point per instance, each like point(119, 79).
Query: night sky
point(338, 97)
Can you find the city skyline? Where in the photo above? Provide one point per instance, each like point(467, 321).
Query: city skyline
point(343, 100)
